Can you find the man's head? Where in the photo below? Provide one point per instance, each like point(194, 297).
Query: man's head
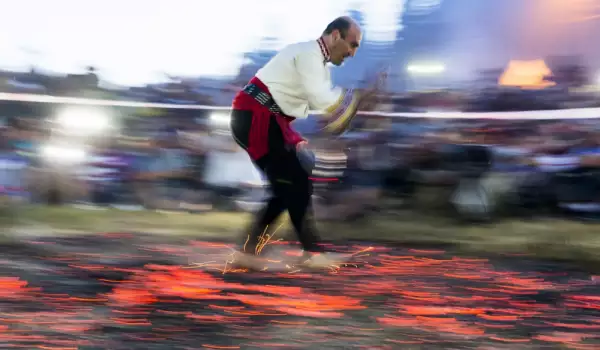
point(343, 37)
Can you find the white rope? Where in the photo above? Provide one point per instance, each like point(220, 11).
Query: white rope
point(576, 113)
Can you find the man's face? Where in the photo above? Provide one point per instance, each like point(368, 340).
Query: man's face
point(346, 46)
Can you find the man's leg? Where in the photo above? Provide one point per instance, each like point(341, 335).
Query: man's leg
point(278, 171)
point(241, 123)
point(259, 228)
point(291, 182)
point(297, 190)
point(298, 198)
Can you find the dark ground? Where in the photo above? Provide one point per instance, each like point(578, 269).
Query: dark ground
point(125, 291)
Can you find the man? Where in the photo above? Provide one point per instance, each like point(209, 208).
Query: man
point(295, 81)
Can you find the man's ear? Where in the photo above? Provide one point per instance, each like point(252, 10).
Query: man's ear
point(335, 35)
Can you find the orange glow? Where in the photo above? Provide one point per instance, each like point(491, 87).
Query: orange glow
point(526, 75)
point(388, 299)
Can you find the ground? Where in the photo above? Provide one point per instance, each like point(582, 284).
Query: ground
point(135, 291)
point(550, 238)
point(77, 279)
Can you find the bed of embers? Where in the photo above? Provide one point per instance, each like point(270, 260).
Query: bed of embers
point(134, 291)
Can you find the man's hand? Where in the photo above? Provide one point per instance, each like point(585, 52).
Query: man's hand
point(379, 80)
point(301, 145)
point(305, 156)
point(369, 98)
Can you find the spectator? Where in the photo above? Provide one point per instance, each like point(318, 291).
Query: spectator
point(162, 180)
point(13, 170)
point(105, 173)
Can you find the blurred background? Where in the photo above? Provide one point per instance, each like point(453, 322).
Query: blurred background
point(491, 107)
point(466, 199)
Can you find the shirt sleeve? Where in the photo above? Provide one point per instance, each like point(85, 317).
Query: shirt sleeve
point(339, 105)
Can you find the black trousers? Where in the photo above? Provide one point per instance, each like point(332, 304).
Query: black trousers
point(291, 187)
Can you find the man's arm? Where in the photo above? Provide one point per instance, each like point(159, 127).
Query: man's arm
point(338, 105)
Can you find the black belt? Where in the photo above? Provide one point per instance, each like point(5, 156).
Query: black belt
point(262, 97)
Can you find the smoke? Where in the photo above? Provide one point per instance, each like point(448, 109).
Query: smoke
point(422, 6)
point(383, 19)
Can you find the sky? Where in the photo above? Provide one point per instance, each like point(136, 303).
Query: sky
point(134, 42)
point(488, 34)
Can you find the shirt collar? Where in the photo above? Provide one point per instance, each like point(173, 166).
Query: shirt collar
point(324, 50)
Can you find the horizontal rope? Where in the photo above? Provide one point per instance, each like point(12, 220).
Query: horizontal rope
point(574, 113)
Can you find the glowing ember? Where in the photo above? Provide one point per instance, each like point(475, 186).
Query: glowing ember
point(121, 291)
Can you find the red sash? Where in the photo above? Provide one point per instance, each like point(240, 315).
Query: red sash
point(258, 140)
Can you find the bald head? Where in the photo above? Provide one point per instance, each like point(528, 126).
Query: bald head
point(343, 37)
point(342, 24)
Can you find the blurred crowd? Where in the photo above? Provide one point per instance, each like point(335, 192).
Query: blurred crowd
point(468, 169)
point(94, 155)
point(185, 160)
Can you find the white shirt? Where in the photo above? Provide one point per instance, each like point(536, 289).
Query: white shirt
point(299, 80)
